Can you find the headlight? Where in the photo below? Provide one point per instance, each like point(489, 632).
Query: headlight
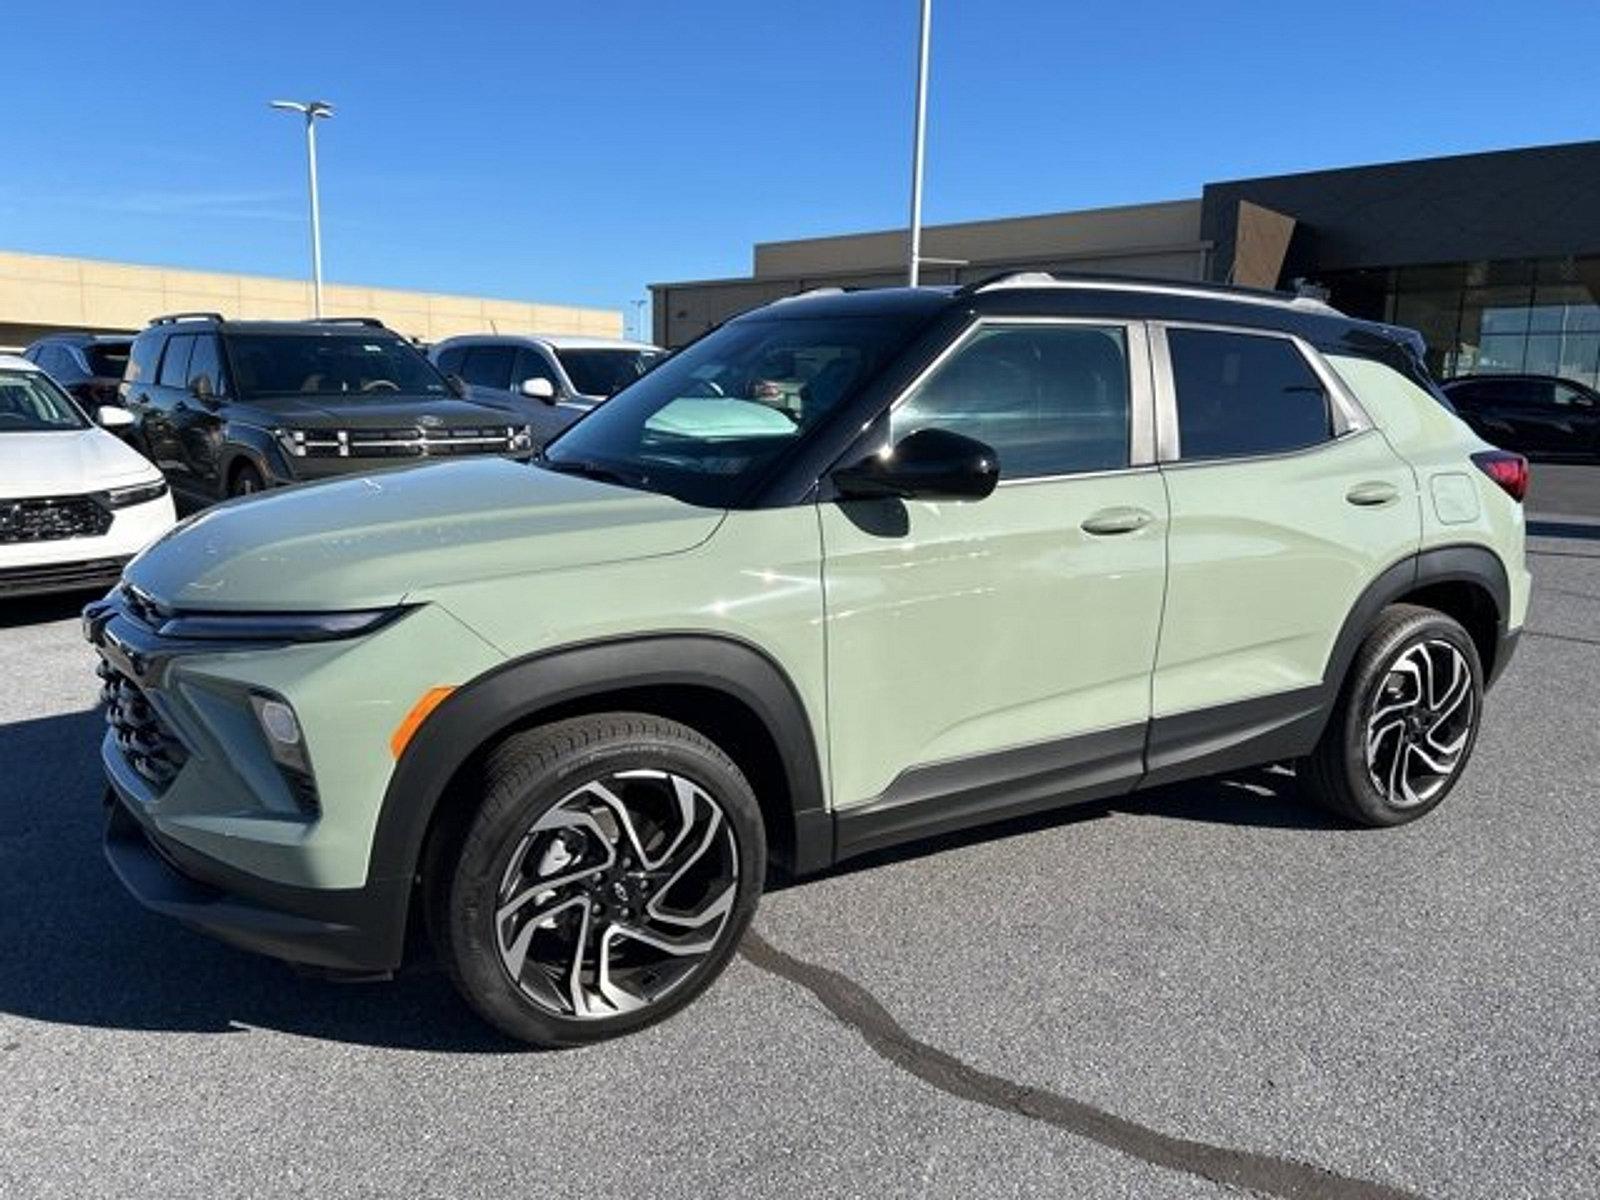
point(277, 627)
point(522, 439)
point(138, 493)
point(293, 441)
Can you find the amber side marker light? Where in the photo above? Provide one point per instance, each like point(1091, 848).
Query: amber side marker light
point(406, 730)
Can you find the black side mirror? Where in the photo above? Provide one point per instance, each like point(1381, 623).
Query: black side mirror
point(202, 390)
point(930, 464)
point(457, 385)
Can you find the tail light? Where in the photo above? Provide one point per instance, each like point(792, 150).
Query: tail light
point(1509, 470)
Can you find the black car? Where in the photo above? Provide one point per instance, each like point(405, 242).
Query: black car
point(1542, 415)
point(88, 365)
point(226, 408)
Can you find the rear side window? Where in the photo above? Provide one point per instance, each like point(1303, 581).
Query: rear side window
point(175, 362)
point(489, 366)
point(1050, 400)
point(1242, 394)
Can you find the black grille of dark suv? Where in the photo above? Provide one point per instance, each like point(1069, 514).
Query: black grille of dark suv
point(52, 518)
point(408, 442)
point(142, 736)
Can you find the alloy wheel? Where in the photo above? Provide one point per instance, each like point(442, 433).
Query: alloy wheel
point(613, 897)
point(1421, 723)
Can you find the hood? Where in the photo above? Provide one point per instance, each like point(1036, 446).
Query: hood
point(67, 462)
point(368, 541)
point(389, 412)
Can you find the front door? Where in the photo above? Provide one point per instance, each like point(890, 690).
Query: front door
point(995, 654)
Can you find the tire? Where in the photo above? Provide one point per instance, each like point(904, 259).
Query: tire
point(540, 905)
point(1405, 723)
point(246, 480)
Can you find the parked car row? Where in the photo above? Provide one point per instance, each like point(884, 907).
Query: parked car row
point(211, 408)
point(1543, 415)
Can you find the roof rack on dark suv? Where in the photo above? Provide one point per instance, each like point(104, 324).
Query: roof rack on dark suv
point(174, 318)
point(1197, 287)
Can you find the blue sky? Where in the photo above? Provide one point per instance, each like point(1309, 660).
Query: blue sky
point(576, 152)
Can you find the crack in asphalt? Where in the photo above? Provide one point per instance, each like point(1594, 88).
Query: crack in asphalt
point(1563, 637)
point(858, 1009)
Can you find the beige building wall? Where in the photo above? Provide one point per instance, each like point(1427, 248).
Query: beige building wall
point(41, 293)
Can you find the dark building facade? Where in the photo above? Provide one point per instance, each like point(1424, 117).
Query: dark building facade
point(1494, 258)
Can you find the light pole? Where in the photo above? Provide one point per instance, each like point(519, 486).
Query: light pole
point(638, 320)
point(312, 109)
point(917, 140)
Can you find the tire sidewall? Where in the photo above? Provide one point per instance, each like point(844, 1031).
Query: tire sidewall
point(473, 890)
point(1371, 671)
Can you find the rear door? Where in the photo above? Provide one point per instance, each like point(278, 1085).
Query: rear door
point(197, 420)
point(164, 401)
point(1285, 504)
point(974, 645)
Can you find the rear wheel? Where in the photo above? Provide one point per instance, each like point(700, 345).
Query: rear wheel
point(603, 882)
point(1405, 722)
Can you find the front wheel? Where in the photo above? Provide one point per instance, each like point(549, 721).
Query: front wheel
point(1405, 722)
point(603, 882)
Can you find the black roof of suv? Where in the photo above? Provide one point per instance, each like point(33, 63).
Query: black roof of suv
point(229, 406)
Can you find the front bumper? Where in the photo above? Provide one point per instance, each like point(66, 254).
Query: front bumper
point(360, 931)
point(43, 578)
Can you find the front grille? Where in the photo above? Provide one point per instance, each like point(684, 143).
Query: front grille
point(143, 737)
point(407, 442)
point(52, 518)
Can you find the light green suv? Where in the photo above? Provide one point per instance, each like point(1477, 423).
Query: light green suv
point(851, 570)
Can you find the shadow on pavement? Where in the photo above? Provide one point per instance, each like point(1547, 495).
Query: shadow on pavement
point(80, 951)
point(40, 610)
point(1563, 529)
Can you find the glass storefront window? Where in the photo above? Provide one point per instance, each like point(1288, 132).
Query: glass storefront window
point(1514, 317)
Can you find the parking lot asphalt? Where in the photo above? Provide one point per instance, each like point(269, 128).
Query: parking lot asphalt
point(1209, 990)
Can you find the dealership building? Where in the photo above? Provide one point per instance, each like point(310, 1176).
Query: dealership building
point(1494, 258)
point(42, 294)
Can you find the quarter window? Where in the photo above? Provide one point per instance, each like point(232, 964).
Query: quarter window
point(1048, 399)
point(175, 362)
point(1244, 394)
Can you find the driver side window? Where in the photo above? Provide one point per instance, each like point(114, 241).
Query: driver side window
point(1048, 399)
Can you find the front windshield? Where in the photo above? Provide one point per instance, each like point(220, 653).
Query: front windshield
point(292, 364)
point(605, 372)
point(30, 403)
point(708, 422)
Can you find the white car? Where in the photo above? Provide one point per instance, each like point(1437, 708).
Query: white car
point(576, 373)
point(76, 502)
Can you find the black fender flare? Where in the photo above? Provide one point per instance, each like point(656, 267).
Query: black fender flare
point(1440, 564)
point(478, 711)
point(254, 445)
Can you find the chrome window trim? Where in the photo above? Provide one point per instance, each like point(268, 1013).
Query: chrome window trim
point(1346, 415)
point(1141, 398)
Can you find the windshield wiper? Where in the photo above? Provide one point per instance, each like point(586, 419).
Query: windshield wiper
point(590, 469)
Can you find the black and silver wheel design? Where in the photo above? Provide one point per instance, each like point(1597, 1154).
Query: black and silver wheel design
point(1404, 723)
point(1422, 721)
point(600, 878)
point(615, 894)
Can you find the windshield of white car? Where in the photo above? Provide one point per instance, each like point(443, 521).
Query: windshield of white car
point(605, 371)
point(708, 423)
point(30, 403)
point(377, 368)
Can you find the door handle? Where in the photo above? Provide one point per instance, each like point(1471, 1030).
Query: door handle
point(1123, 519)
point(1371, 495)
